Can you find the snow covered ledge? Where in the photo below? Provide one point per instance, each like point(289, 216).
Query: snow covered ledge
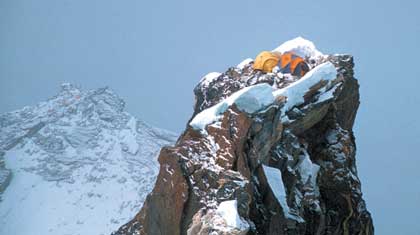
point(258, 97)
point(296, 91)
point(250, 100)
point(301, 47)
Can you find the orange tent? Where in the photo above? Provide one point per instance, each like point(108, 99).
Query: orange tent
point(287, 62)
point(293, 64)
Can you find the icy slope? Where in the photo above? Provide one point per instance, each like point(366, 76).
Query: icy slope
point(79, 164)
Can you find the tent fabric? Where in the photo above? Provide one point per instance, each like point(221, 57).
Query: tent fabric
point(265, 61)
point(287, 62)
point(301, 69)
point(293, 64)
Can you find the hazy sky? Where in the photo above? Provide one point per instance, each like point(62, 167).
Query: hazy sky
point(153, 54)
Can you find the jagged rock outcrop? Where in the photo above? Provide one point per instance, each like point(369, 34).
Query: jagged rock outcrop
point(263, 154)
point(76, 163)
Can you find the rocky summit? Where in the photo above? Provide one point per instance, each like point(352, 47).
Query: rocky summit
point(263, 153)
point(75, 164)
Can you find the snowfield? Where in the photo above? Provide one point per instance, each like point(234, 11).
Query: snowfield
point(79, 163)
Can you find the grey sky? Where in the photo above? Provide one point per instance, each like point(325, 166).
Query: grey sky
point(153, 53)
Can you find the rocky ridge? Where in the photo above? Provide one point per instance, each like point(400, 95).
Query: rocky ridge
point(75, 164)
point(264, 154)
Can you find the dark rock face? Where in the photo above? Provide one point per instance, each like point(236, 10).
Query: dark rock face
point(285, 171)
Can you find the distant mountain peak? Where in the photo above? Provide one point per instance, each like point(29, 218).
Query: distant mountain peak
point(76, 163)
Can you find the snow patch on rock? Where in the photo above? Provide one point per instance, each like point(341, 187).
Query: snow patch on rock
point(295, 92)
point(250, 100)
point(206, 80)
point(308, 171)
point(228, 211)
point(275, 182)
point(299, 46)
point(244, 63)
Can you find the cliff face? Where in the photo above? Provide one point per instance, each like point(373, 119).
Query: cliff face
point(263, 154)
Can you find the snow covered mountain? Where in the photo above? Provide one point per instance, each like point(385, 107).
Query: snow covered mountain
point(264, 153)
point(75, 164)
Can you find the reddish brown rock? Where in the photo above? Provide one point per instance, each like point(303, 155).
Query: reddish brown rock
point(213, 181)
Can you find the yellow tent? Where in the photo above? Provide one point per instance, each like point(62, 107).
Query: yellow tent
point(266, 61)
point(287, 62)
